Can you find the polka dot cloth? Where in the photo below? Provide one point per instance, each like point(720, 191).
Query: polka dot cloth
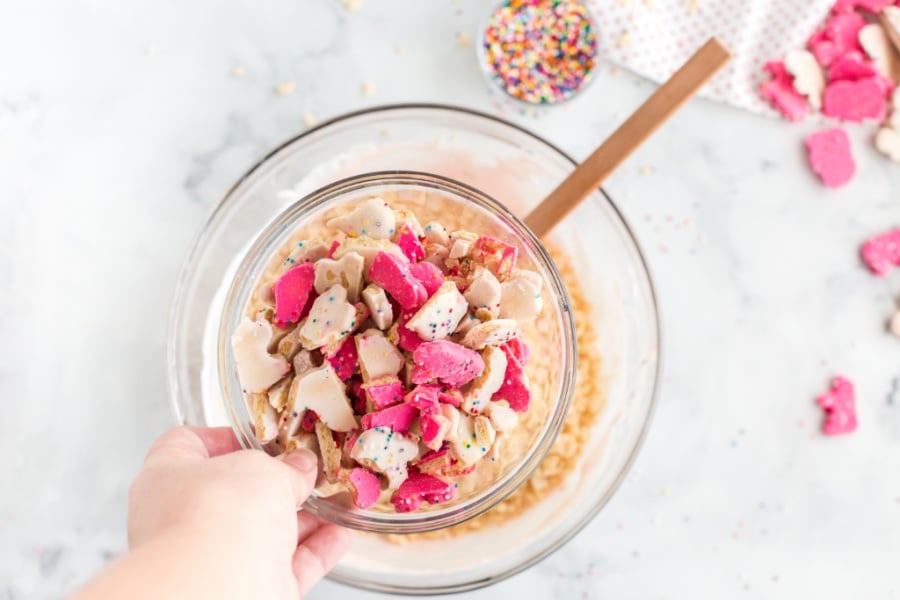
point(654, 37)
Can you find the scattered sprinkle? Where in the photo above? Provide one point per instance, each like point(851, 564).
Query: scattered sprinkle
point(285, 88)
point(645, 170)
point(667, 492)
point(693, 6)
point(624, 40)
point(399, 50)
point(237, 72)
point(352, 5)
point(463, 40)
point(310, 119)
point(150, 50)
point(369, 89)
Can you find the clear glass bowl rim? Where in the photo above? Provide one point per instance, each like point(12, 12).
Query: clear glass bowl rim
point(181, 284)
point(311, 205)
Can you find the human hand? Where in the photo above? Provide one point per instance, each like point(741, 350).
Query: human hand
point(233, 514)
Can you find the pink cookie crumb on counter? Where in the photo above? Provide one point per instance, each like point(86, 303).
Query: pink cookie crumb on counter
point(839, 404)
point(779, 90)
point(882, 252)
point(830, 156)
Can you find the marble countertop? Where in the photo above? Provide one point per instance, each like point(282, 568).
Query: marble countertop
point(121, 124)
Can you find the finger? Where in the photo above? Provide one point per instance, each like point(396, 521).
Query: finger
point(193, 443)
point(318, 554)
point(302, 466)
point(307, 525)
point(180, 442)
point(218, 440)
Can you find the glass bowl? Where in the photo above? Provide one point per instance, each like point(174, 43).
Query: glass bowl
point(501, 160)
point(551, 338)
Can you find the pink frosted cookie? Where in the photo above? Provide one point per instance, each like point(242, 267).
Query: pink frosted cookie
point(410, 245)
point(830, 156)
point(419, 488)
point(855, 100)
point(839, 404)
point(291, 293)
point(446, 361)
point(365, 487)
point(425, 398)
point(514, 389)
point(499, 257)
point(384, 391)
point(429, 275)
point(406, 339)
point(518, 350)
point(873, 6)
point(434, 428)
point(435, 461)
point(851, 67)
point(882, 252)
point(394, 277)
point(844, 30)
point(398, 418)
point(779, 91)
point(346, 360)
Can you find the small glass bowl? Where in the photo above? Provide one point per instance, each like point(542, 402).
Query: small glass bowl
point(457, 206)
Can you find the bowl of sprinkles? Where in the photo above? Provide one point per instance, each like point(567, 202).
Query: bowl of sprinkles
point(539, 51)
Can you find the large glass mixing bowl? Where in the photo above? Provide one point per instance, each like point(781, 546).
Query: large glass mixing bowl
point(519, 169)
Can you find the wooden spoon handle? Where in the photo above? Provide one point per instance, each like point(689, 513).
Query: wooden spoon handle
point(655, 111)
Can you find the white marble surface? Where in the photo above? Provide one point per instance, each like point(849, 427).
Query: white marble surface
point(121, 125)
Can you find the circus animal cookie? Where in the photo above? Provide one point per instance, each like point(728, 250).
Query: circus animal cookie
point(396, 352)
point(882, 252)
point(839, 404)
point(830, 156)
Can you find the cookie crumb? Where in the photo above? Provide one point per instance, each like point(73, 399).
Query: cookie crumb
point(624, 40)
point(285, 88)
point(646, 170)
point(399, 50)
point(693, 6)
point(649, 4)
point(895, 324)
point(352, 5)
point(237, 72)
point(150, 50)
point(310, 119)
point(369, 89)
point(463, 40)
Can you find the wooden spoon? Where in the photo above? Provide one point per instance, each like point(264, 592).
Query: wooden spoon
point(655, 111)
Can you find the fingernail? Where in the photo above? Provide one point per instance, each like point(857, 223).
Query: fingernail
point(302, 460)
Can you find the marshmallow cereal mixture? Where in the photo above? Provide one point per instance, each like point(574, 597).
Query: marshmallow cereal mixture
point(398, 353)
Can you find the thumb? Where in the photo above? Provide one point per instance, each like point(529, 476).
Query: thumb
point(302, 466)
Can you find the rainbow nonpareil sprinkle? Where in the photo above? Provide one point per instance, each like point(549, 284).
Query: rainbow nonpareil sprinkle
point(540, 51)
